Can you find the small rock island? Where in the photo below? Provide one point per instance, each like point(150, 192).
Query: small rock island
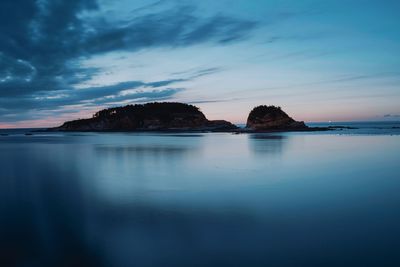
point(148, 117)
point(267, 118)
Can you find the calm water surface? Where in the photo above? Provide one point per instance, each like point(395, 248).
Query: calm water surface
point(300, 199)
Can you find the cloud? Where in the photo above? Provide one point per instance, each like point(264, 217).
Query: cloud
point(391, 116)
point(196, 72)
point(43, 42)
point(94, 96)
point(336, 80)
point(172, 27)
point(39, 44)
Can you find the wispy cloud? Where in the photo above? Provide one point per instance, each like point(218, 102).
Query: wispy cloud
point(391, 116)
point(342, 79)
point(171, 27)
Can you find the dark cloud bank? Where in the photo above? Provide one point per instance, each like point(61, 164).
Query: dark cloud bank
point(41, 43)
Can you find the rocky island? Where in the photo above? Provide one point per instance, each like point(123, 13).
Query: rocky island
point(148, 117)
point(268, 118)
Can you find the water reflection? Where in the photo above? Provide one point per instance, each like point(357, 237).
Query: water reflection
point(141, 150)
point(51, 216)
point(43, 212)
point(268, 144)
point(138, 200)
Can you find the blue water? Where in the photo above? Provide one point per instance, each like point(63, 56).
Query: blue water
point(207, 199)
point(378, 128)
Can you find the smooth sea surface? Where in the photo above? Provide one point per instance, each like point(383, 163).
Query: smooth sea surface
point(201, 199)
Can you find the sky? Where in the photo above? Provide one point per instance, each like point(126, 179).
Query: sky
point(330, 60)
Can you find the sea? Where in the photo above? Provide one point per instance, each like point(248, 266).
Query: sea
point(328, 198)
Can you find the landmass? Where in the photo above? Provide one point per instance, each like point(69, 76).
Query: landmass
point(264, 118)
point(149, 117)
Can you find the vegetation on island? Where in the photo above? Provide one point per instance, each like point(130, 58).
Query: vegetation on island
point(262, 110)
point(161, 110)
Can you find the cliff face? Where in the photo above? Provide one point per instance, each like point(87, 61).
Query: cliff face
point(272, 118)
point(147, 117)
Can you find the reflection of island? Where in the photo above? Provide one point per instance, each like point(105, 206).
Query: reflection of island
point(267, 144)
point(181, 117)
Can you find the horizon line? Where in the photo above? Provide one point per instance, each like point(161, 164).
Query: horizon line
point(237, 124)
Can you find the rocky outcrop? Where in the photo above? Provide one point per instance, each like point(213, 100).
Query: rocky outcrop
point(148, 117)
point(264, 118)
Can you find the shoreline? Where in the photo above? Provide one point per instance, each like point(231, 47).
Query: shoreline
point(234, 131)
